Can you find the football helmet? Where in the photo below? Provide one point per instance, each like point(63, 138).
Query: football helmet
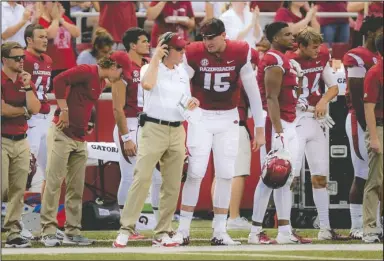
point(277, 169)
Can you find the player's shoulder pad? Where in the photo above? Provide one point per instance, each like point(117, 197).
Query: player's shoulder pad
point(47, 58)
point(193, 49)
point(273, 57)
point(356, 57)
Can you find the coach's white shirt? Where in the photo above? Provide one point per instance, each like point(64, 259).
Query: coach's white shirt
point(161, 101)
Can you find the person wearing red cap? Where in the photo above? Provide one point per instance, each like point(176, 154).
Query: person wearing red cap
point(215, 65)
point(127, 102)
point(77, 91)
point(162, 139)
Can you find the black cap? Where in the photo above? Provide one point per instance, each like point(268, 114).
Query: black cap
point(212, 27)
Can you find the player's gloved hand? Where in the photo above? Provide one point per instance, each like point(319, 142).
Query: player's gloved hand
point(278, 141)
point(297, 67)
point(326, 122)
point(302, 104)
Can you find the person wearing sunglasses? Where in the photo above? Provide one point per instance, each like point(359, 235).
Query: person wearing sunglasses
point(162, 139)
point(18, 103)
point(214, 66)
point(77, 91)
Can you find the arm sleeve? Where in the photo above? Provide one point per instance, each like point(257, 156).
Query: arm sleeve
point(188, 68)
point(68, 78)
point(251, 87)
point(329, 78)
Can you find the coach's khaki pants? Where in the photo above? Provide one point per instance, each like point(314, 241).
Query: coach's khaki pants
point(156, 143)
point(373, 191)
point(14, 175)
point(66, 159)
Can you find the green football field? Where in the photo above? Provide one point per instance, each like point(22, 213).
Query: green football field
point(200, 249)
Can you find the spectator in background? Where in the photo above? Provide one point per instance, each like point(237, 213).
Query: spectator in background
point(102, 43)
point(14, 20)
point(334, 30)
point(88, 24)
point(116, 17)
point(177, 17)
point(293, 14)
point(241, 24)
point(374, 8)
point(60, 32)
point(266, 6)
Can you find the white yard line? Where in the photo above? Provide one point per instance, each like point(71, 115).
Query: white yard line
point(221, 249)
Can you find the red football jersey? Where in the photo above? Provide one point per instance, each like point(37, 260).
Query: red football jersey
point(40, 68)
point(287, 100)
point(174, 8)
point(373, 88)
point(134, 101)
point(358, 57)
point(313, 72)
point(215, 79)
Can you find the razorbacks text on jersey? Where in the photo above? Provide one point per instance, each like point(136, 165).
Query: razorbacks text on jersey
point(215, 78)
point(134, 101)
point(40, 68)
point(287, 100)
point(314, 70)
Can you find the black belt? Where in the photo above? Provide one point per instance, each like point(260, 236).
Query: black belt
point(379, 122)
point(14, 137)
point(167, 123)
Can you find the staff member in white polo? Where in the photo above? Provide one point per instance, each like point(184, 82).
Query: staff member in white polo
point(162, 138)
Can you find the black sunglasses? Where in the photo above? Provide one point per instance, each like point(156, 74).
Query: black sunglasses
point(17, 58)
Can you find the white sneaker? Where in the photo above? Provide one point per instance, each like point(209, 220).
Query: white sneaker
point(330, 234)
point(223, 239)
point(181, 237)
point(260, 239)
point(165, 241)
point(121, 241)
point(59, 234)
point(371, 238)
point(239, 223)
point(291, 238)
point(356, 233)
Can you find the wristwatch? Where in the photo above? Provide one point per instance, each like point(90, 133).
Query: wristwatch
point(28, 88)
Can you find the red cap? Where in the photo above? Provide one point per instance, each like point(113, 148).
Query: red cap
point(177, 42)
point(122, 59)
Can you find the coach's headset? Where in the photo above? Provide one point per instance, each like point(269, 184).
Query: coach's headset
point(167, 38)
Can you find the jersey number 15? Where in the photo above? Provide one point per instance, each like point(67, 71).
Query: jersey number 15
point(219, 85)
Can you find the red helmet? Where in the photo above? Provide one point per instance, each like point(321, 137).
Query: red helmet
point(277, 169)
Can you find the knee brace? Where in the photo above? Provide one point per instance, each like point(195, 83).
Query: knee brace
point(191, 191)
point(222, 194)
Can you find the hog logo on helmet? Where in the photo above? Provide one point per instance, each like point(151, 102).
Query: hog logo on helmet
point(277, 169)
